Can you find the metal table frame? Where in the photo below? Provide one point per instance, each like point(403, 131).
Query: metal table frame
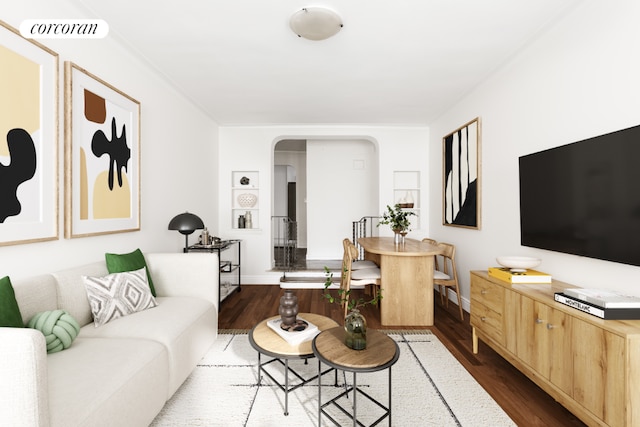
point(353, 388)
point(276, 357)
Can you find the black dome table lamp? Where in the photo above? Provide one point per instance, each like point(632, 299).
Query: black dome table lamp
point(186, 223)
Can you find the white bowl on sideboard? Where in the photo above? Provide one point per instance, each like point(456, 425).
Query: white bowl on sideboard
point(516, 263)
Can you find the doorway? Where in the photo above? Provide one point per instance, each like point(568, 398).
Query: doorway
point(288, 223)
point(336, 182)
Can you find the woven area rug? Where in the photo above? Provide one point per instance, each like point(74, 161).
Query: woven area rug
point(429, 388)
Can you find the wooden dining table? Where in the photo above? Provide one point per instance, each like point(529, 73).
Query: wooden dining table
point(406, 279)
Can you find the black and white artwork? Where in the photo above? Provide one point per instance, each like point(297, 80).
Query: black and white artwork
point(461, 167)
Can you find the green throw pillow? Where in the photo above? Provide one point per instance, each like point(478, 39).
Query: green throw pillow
point(9, 311)
point(58, 327)
point(122, 263)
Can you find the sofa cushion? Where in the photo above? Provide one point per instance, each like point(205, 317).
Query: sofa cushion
point(117, 295)
point(119, 263)
point(72, 295)
point(186, 326)
point(114, 382)
point(35, 294)
point(9, 310)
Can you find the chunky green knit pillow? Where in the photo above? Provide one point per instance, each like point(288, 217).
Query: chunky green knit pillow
point(58, 327)
point(9, 311)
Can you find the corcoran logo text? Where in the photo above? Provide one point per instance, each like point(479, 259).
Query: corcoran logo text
point(64, 28)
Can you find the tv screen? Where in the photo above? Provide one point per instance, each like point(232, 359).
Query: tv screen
point(584, 198)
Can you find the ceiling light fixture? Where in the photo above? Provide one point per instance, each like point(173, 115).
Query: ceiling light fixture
point(315, 23)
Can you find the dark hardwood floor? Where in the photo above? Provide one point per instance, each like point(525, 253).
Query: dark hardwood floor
point(524, 401)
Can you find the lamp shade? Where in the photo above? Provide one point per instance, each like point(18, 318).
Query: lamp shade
point(315, 23)
point(186, 223)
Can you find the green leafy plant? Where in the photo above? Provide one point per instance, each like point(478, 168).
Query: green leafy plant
point(397, 218)
point(345, 296)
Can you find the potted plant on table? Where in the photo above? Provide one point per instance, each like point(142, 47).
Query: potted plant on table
point(355, 325)
point(398, 219)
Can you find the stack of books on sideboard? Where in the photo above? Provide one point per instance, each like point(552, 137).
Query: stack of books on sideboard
point(603, 304)
point(519, 276)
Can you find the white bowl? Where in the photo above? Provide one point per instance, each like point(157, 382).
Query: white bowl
point(247, 200)
point(518, 262)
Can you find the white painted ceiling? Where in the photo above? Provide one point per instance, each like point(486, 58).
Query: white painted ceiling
point(401, 62)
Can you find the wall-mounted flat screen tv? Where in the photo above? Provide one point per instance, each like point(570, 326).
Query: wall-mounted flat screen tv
point(584, 198)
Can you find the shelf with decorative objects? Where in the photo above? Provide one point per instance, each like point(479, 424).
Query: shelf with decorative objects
point(245, 193)
point(406, 193)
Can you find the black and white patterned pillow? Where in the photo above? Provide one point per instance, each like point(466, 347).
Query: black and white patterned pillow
point(118, 295)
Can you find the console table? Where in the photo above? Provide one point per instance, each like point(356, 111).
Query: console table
point(589, 365)
point(229, 272)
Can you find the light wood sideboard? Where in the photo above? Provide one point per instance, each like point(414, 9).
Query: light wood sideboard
point(589, 365)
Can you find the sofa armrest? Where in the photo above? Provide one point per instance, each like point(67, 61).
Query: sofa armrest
point(24, 396)
point(185, 274)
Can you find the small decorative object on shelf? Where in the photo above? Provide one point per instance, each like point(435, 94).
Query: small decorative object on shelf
point(247, 200)
point(248, 222)
point(288, 307)
point(408, 200)
point(244, 180)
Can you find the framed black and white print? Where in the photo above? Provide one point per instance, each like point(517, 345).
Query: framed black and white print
point(28, 140)
point(461, 180)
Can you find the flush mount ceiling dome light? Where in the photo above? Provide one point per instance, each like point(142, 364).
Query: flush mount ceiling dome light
point(315, 23)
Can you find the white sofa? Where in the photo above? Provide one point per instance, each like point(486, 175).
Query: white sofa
point(122, 373)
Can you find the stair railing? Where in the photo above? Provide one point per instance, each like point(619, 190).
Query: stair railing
point(367, 226)
point(285, 242)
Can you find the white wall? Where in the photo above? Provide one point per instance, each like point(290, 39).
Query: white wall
point(579, 80)
point(251, 149)
point(342, 187)
point(178, 149)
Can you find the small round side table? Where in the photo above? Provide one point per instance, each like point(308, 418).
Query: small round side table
point(381, 353)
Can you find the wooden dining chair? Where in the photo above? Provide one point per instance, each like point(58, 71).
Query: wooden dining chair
point(434, 243)
point(363, 278)
point(446, 276)
point(350, 252)
point(366, 277)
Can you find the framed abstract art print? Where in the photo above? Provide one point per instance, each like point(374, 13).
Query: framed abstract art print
point(461, 180)
point(102, 156)
point(28, 140)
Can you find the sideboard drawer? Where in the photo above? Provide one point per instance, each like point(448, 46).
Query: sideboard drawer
point(487, 305)
point(487, 321)
point(487, 293)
